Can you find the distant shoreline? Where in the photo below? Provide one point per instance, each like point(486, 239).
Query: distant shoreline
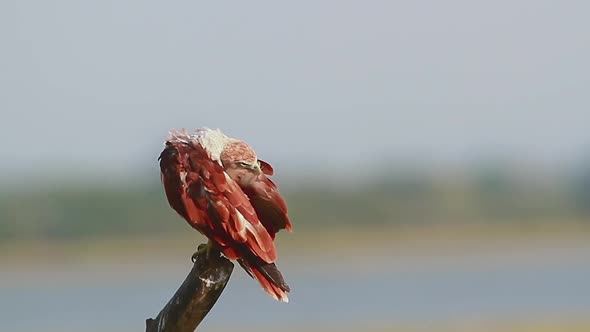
point(316, 241)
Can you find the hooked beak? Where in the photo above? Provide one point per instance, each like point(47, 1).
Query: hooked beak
point(255, 168)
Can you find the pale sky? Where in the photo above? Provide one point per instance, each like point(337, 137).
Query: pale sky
point(94, 86)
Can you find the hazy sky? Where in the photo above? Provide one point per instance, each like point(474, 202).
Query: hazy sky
point(96, 85)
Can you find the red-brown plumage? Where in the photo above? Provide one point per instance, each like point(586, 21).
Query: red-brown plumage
point(240, 218)
point(266, 168)
point(269, 204)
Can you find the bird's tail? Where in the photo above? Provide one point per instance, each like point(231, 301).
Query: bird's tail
point(269, 277)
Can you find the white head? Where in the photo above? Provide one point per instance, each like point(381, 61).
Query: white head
point(238, 158)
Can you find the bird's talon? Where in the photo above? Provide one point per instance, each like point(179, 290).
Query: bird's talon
point(203, 248)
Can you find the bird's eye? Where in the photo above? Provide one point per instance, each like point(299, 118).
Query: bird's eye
point(242, 164)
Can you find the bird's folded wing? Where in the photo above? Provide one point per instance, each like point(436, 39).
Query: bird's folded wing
point(268, 203)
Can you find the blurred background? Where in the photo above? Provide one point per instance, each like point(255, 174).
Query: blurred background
point(435, 156)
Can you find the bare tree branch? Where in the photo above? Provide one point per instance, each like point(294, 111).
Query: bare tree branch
point(195, 297)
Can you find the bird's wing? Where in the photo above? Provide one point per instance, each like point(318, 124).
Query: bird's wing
point(266, 167)
point(268, 203)
point(199, 189)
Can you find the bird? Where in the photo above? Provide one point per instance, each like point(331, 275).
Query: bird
point(221, 188)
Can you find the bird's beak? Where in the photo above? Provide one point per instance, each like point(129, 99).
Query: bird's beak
point(255, 168)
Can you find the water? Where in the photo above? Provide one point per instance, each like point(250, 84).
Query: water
point(392, 289)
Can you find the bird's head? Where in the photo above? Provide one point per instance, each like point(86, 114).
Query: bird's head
point(240, 161)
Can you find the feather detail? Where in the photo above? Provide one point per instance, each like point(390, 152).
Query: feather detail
point(268, 203)
point(268, 276)
point(266, 167)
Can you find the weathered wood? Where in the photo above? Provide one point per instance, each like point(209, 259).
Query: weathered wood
point(195, 297)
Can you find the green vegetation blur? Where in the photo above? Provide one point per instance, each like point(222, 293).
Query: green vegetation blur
point(499, 194)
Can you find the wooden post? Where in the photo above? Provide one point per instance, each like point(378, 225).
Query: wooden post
point(196, 296)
